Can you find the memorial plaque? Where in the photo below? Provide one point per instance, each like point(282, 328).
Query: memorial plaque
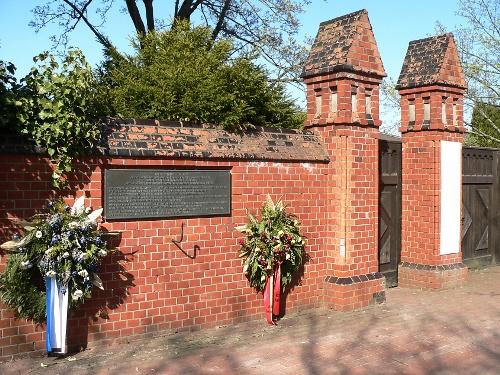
point(158, 193)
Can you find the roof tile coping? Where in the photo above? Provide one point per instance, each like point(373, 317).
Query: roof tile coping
point(431, 61)
point(337, 43)
point(186, 140)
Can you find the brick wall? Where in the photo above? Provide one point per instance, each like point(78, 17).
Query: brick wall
point(158, 288)
point(327, 176)
point(421, 204)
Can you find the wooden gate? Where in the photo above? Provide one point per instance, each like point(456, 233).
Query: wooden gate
point(390, 208)
point(480, 207)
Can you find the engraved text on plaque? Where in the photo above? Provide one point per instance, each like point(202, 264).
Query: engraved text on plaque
point(156, 193)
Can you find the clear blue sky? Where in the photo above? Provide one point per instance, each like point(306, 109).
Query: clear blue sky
point(395, 23)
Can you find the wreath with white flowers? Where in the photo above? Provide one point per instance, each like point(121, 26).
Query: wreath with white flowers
point(67, 244)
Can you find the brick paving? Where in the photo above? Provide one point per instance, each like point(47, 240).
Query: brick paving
point(415, 332)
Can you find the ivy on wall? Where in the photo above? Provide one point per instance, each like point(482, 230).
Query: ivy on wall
point(57, 109)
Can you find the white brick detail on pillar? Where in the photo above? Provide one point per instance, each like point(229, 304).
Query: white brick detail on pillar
point(451, 188)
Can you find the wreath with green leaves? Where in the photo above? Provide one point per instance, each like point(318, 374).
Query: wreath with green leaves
point(66, 244)
point(273, 240)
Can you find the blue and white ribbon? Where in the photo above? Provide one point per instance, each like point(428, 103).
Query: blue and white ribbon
point(57, 315)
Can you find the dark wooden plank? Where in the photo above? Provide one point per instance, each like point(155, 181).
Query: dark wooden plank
point(478, 179)
point(480, 206)
point(390, 210)
point(495, 210)
point(390, 180)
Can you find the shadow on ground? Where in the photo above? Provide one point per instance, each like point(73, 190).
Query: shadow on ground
point(415, 332)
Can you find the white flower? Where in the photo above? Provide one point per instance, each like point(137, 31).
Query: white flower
point(47, 252)
point(92, 217)
point(72, 225)
point(83, 256)
point(83, 273)
point(88, 210)
point(78, 294)
point(241, 228)
point(78, 206)
point(38, 234)
point(65, 255)
point(51, 273)
point(102, 253)
point(26, 264)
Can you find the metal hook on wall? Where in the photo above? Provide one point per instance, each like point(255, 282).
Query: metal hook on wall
point(178, 244)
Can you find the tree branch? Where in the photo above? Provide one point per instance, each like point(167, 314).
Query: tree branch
point(133, 11)
point(102, 39)
point(150, 19)
point(185, 12)
point(483, 134)
point(220, 21)
point(176, 8)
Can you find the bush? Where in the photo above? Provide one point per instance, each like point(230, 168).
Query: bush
point(183, 75)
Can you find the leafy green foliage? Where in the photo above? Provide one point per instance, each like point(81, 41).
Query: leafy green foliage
point(486, 126)
point(184, 75)
point(8, 87)
point(57, 109)
point(65, 244)
point(21, 290)
point(272, 240)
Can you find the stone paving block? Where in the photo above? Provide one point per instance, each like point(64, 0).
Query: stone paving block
point(456, 331)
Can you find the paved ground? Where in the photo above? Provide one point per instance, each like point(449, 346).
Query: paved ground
point(415, 332)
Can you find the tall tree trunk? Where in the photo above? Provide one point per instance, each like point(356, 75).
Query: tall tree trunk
point(184, 12)
point(150, 19)
point(133, 11)
point(220, 20)
point(186, 9)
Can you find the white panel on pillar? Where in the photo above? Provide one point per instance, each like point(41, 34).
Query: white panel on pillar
point(451, 186)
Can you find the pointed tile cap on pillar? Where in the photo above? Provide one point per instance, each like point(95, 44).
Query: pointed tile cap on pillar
point(343, 73)
point(347, 44)
point(431, 61)
point(432, 86)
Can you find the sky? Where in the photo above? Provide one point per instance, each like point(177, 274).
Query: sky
point(395, 23)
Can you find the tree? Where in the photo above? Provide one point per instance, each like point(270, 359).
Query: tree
point(183, 74)
point(8, 87)
point(478, 45)
point(484, 133)
point(266, 26)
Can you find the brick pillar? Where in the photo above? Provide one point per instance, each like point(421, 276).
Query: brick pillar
point(342, 75)
point(431, 85)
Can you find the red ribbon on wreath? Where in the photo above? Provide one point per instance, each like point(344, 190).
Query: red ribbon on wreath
point(272, 295)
